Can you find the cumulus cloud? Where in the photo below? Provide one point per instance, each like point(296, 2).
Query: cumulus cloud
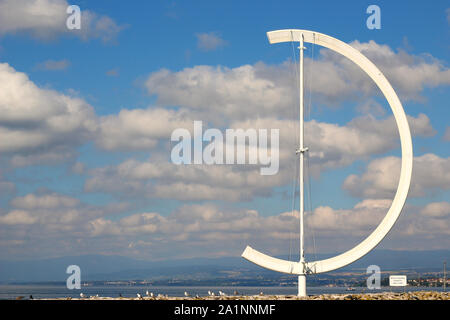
point(49, 201)
point(216, 92)
point(183, 182)
point(437, 210)
point(139, 129)
point(40, 124)
point(209, 41)
point(214, 230)
point(56, 223)
point(260, 90)
point(332, 146)
point(447, 134)
point(427, 226)
point(54, 65)
point(327, 218)
point(46, 19)
point(380, 180)
point(17, 217)
point(408, 74)
point(55, 213)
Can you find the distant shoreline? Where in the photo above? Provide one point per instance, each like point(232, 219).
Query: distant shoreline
point(415, 295)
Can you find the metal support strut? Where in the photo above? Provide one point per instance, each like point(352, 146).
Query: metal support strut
point(301, 150)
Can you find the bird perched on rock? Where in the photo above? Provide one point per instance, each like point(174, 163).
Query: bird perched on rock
point(82, 295)
point(186, 294)
point(222, 293)
point(139, 296)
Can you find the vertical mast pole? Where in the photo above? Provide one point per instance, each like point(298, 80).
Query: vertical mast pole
point(302, 275)
point(445, 276)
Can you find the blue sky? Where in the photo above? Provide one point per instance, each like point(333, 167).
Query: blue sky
point(87, 117)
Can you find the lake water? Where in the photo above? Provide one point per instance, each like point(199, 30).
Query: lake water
point(60, 291)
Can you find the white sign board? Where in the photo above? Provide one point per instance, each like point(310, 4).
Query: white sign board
point(397, 281)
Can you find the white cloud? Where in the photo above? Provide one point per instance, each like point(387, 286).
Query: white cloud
point(49, 201)
point(431, 173)
point(437, 210)
point(357, 221)
point(46, 19)
point(209, 41)
point(331, 146)
point(40, 124)
point(16, 217)
point(260, 90)
point(408, 74)
point(427, 226)
point(183, 182)
point(54, 65)
point(139, 129)
point(213, 93)
point(55, 213)
point(55, 223)
point(447, 134)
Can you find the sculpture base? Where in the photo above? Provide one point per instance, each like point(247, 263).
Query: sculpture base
point(302, 285)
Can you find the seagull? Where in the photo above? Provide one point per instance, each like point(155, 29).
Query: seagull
point(149, 294)
point(31, 297)
point(82, 295)
point(222, 293)
point(261, 293)
point(235, 293)
point(139, 296)
point(186, 294)
point(120, 295)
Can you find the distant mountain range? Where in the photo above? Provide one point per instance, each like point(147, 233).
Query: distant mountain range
point(103, 267)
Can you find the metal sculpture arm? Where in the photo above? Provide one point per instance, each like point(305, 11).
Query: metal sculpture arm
point(394, 211)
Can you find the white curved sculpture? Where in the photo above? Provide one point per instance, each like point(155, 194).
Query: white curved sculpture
point(302, 268)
